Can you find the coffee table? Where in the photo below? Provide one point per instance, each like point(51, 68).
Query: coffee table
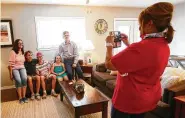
point(90, 101)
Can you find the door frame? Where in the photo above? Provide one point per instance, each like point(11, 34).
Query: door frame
point(126, 19)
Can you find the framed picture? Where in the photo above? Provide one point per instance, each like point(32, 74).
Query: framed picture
point(7, 38)
point(89, 60)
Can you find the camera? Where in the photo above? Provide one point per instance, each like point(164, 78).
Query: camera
point(117, 38)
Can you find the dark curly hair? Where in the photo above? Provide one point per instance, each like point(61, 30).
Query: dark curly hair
point(15, 46)
point(25, 54)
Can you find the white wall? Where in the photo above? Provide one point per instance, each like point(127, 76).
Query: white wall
point(178, 44)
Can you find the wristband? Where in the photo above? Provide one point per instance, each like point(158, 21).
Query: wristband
point(109, 44)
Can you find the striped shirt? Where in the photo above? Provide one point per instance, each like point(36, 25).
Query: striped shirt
point(69, 50)
point(16, 60)
point(43, 68)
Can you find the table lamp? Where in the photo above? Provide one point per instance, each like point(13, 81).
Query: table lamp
point(88, 47)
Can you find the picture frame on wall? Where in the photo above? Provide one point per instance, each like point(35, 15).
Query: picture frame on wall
point(7, 38)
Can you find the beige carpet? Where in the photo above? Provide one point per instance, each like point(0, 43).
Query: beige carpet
point(48, 108)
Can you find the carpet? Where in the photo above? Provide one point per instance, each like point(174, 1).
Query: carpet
point(45, 108)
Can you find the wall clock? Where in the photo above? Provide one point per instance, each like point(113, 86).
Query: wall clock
point(101, 26)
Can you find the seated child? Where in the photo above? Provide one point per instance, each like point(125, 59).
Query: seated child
point(58, 69)
point(30, 65)
point(43, 70)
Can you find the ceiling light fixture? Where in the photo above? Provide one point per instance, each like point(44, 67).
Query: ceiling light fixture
point(88, 10)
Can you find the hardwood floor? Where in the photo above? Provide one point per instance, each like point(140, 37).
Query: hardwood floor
point(46, 108)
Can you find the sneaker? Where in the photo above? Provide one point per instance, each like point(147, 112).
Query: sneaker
point(32, 97)
point(37, 96)
point(25, 100)
point(21, 101)
point(44, 95)
point(53, 93)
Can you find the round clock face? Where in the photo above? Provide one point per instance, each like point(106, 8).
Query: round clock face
point(101, 26)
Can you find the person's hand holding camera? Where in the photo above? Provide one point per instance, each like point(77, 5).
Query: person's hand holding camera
point(110, 41)
point(124, 38)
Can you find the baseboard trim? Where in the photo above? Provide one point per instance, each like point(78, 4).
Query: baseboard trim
point(7, 87)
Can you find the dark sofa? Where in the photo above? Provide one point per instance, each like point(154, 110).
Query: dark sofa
point(48, 88)
point(103, 80)
point(165, 108)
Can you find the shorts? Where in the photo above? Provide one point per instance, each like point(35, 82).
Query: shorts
point(61, 76)
point(48, 76)
point(33, 77)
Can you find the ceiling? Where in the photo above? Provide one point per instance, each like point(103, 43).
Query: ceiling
point(117, 3)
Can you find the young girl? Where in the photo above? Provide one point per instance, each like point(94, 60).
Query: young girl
point(58, 69)
point(43, 70)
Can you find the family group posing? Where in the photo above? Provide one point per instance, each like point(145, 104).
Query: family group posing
point(137, 89)
point(23, 69)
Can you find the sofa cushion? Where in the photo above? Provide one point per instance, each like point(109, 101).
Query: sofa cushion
point(111, 84)
point(150, 115)
point(101, 67)
point(102, 77)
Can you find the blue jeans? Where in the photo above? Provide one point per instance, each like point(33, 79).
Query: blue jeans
point(118, 114)
point(20, 77)
point(68, 64)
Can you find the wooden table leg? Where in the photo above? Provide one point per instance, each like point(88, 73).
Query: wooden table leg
point(61, 95)
point(77, 113)
point(104, 111)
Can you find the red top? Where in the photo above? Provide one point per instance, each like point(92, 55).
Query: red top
point(140, 66)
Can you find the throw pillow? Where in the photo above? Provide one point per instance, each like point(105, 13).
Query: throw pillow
point(113, 73)
point(167, 82)
point(101, 67)
point(171, 71)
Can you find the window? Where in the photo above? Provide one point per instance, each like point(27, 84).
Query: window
point(50, 30)
point(128, 26)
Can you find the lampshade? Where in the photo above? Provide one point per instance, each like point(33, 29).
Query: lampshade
point(87, 45)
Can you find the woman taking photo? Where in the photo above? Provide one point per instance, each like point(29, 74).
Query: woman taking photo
point(17, 70)
point(141, 64)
